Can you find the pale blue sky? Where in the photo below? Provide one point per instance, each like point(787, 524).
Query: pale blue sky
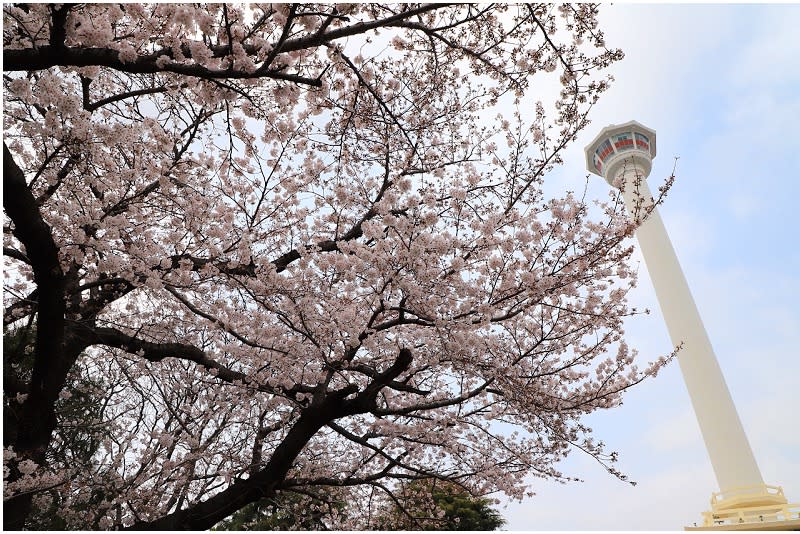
point(721, 86)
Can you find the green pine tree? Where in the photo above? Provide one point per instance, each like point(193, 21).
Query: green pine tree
point(286, 511)
point(437, 505)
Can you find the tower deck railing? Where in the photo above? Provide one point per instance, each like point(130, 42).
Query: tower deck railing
point(750, 504)
point(761, 494)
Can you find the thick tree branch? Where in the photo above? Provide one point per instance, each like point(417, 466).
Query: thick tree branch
point(91, 106)
point(16, 254)
point(58, 29)
point(392, 384)
point(51, 365)
point(45, 57)
point(302, 43)
point(366, 400)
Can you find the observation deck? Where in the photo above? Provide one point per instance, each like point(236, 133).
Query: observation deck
point(619, 142)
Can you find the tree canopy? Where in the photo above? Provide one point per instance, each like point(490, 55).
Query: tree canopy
point(437, 505)
point(303, 248)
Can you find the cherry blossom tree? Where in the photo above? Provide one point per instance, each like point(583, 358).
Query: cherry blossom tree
point(306, 251)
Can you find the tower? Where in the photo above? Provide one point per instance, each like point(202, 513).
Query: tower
point(622, 154)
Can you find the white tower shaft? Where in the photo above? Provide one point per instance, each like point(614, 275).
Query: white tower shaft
point(623, 154)
point(726, 442)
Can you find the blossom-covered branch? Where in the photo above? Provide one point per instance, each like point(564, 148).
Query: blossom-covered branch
point(271, 248)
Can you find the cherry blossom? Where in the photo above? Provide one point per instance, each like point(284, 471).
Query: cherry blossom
point(293, 253)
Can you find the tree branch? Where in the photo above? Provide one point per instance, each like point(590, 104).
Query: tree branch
point(155, 352)
point(50, 367)
point(16, 254)
point(45, 57)
point(263, 483)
